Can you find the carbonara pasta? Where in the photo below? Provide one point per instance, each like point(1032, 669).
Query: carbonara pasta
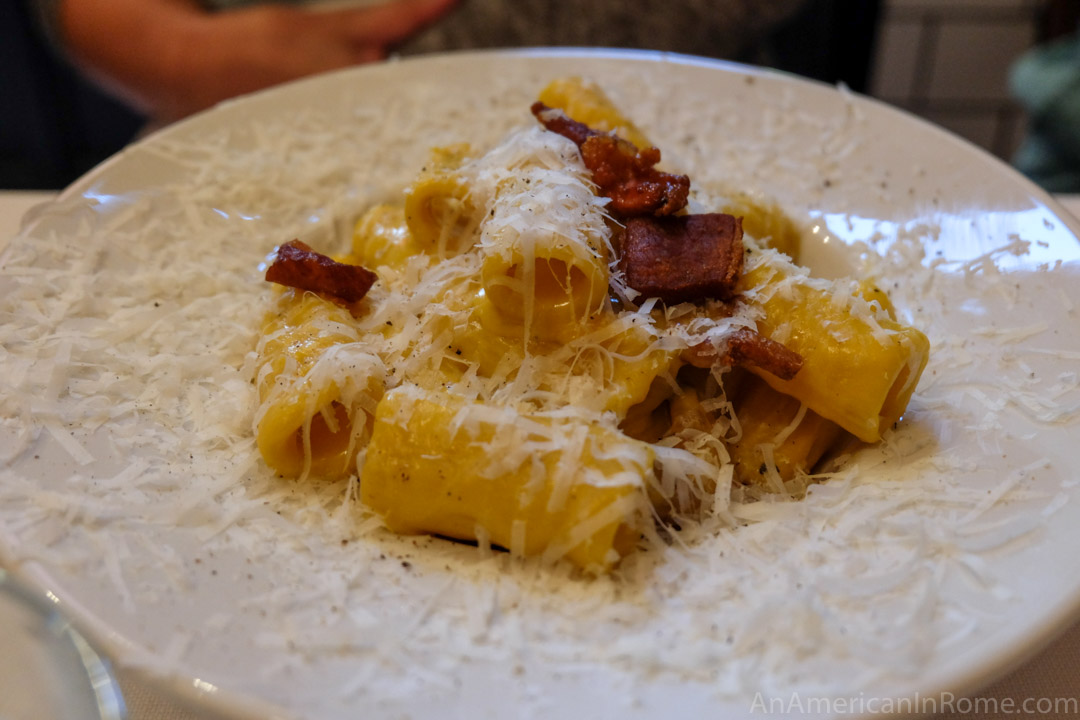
point(550, 351)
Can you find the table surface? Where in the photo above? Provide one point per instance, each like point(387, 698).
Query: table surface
point(1052, 674)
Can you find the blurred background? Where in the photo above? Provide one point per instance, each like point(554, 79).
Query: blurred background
point(948, 61)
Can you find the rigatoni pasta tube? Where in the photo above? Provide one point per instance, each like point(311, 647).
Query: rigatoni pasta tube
point(381, 237)
point(316, 387)
point(860, 366)
point(765, 222)
point(438, 210)
point(534, 485)
point(798, 437)
point(544, 243)
point(587, 103)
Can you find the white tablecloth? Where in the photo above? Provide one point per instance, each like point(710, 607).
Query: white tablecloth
point(1054, 673)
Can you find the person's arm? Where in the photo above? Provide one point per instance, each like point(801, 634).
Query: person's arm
point(170, 58)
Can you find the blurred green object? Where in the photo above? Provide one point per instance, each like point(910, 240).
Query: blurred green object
point(1046, 81)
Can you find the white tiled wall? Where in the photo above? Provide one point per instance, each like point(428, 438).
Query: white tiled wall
point(948, 61)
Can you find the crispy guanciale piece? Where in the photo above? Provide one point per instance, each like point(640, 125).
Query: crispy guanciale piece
point(628, 178)
point(298, 266)
point(748, 349)
point(621, 172)
point(683, 258)
point(559, 122)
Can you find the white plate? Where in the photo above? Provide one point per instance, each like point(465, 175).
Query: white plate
point(931, 565)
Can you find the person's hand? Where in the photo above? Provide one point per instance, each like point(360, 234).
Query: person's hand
point(265, 45)
point(170, 58)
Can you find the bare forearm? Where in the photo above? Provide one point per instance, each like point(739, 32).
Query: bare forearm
point(136, 48)
point(171, 58)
